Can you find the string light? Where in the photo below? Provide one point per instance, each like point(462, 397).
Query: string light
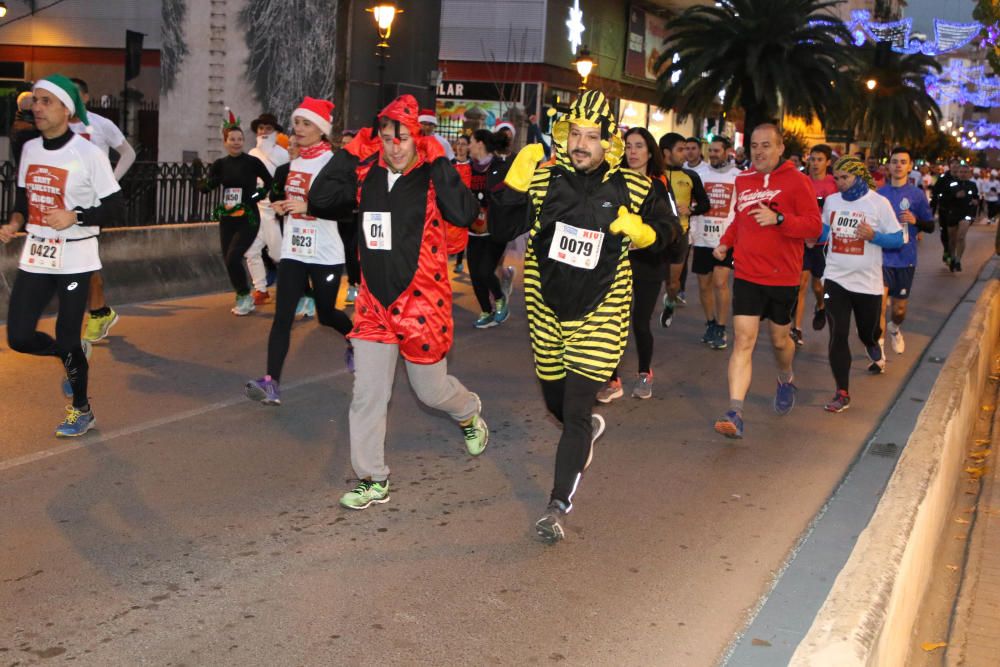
point(948, 35)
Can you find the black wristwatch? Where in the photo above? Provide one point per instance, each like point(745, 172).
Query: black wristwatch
point(780, 219)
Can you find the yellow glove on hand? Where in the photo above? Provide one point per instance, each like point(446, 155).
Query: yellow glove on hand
point(630, 224)
point(523, 168)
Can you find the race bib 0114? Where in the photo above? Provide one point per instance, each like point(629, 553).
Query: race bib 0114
point(376, 226)
point(43, 253)
point(577, 247)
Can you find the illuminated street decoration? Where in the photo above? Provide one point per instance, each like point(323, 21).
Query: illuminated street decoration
point(959, 83)
point(575, 25)
point(948, 36)
point(983, 128)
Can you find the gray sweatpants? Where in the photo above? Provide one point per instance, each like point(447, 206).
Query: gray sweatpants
point(374, 371)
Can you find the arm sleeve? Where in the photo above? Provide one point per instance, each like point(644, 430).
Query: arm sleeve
point(213, 178)
point(126, 158)
point(699, 197)
point(803, 221)
point(260, 170)
point(925, 217)
point(21, 202)
point(278, 185)
point(334, 192)
point(511, 213)
point(455, 201)
point(656, 213)
point(109, 212)
point(888, 240)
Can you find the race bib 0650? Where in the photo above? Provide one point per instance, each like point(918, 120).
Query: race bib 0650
point(43, 253)
point(577, 247)
point(232, 197)
point(376, 226)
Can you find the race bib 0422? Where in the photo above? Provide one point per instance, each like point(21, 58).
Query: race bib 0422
point(577, 247)
point(376, 226)
point(43, 253)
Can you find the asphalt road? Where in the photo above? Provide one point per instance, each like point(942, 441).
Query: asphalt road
point(194, 527)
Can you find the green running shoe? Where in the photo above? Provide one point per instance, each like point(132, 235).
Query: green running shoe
point(476, 433)
point(366, 493)
point(98, 327)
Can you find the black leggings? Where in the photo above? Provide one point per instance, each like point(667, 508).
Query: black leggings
point(293, 276)
point(644, 296)
point(484, 256)
point(840, 303)
point(349, 235)
point(570, 400)
point(236, 236)
point(31, 294)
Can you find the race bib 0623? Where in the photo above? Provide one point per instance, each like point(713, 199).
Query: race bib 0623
point(303, 240)
point(577, 247)
point(376, 226)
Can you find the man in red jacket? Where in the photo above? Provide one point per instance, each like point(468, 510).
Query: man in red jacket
point(775, 211)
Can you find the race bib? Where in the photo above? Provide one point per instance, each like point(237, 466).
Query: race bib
point(377, 229)
point(844, 237)
point(232, 197)
point(577, 247)
point(43, 253)
point(711, 232)
point(904, 205)
point(303, 241)
point(479, 224)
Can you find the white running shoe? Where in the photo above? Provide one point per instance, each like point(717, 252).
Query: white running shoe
point(896, 339)
point(244, 305)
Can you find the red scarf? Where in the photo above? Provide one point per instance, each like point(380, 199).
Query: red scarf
point(317, 149)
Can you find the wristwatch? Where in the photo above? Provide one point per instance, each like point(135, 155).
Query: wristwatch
point(780, 219)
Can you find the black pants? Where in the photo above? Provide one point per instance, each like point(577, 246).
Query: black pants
point(840, 303)
point(944, 236)
point(31, 294)
point(236, 235)
point(484, 256)
point(644, 296)
point(349, 235)
point(570, 400)
point(292, 279)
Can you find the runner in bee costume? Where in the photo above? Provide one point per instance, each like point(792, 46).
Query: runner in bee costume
point(583, 213)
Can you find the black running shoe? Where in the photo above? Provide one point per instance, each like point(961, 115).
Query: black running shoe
point(551, 527)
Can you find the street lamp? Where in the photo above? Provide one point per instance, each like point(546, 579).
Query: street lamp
point(383, 13)
point(871, 84)
point(584, 66)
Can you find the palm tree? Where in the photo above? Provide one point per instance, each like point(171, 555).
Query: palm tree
point(898, 108)
point(767, 56)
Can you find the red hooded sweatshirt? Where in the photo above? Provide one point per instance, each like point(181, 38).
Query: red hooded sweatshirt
point(772, 255)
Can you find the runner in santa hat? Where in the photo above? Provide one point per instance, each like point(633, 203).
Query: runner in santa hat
point(405, 189)
point(428, 127)
point(311, 247)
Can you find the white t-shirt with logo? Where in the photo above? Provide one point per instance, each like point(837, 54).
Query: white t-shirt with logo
point(306, 238)
point(720, 185)
point(852, 262)
point(102, 133)
point(78, 174)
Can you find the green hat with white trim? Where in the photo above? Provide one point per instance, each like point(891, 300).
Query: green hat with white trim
point(67, 92)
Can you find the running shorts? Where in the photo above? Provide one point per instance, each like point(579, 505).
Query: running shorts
point(899, 280)
point(703, 261)
point(768, 302)
point(814, 260)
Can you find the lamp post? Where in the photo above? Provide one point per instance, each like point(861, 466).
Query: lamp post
point(584, 66)
point(383, 13)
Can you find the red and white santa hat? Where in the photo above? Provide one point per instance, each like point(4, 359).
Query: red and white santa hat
point(317, 112)
point(427, 116)
point(505, 125)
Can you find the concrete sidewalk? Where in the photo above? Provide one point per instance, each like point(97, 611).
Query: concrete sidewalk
point(975, 634)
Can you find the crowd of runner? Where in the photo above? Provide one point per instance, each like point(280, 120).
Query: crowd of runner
point(609, 221)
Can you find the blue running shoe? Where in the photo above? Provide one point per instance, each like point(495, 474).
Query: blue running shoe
point(730, 425)
point(265, 390)
point(76, 423)
point(502, 311)
point(784, 398)
point(486, 320)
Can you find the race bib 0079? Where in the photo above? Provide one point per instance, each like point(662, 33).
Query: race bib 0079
point(577, 247)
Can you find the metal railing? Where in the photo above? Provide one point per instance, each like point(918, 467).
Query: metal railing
point(156, 193)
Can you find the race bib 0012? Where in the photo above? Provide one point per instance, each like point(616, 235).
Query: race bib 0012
point(232, 197)
point(376, 226)
point(43, 253)
point(303, 242)
point(577, 247)
point(844, 237)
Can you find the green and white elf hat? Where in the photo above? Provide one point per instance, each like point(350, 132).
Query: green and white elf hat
point(67, 92)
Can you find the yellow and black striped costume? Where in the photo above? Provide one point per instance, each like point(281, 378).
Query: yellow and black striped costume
point(578, 318)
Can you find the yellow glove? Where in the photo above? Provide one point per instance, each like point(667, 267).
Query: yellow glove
point(523, 168)
point(630, 224)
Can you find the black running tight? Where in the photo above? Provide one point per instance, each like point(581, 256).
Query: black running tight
point(236, 235)
point(484, 256)
point(644, 296)
point(31, 294)
point(570, 400)
point(840, 303)
point(293, 276)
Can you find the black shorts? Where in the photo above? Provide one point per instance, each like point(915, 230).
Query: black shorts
point(703, 261)
point(899, 280)
point(814, 260)
point(678, 250)
point(768, 302)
